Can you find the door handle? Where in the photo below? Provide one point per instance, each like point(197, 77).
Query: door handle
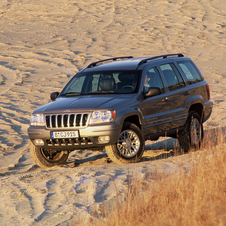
point(186, 93)
point(165, 99)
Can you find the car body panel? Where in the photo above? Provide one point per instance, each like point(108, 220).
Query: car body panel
point(163, 114)
point(83, 103)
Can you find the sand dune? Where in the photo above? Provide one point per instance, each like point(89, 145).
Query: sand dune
point(44, 43)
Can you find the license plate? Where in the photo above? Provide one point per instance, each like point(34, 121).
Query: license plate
point(64, 134)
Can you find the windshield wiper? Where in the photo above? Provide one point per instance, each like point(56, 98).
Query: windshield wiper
point(71, 94)
point(100, 92)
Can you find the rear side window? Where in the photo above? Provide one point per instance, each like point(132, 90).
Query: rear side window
point(190, 72)
point(172, 76)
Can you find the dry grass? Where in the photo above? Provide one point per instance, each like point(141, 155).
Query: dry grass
point(192, 195)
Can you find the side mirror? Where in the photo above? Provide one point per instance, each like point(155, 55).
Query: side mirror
point(152, 91)
point(54, 95)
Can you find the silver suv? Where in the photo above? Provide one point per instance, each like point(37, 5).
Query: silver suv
point(116, 104)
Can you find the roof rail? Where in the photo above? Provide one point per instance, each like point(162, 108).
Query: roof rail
point(94, 64)
point(156, 57)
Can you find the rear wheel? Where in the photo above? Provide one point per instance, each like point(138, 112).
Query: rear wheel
point(192, 135)
point(129, 147)
point(46, 158)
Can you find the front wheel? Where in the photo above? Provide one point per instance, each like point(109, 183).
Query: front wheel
point(46, 158)
point(129, 147)
point(192, 135)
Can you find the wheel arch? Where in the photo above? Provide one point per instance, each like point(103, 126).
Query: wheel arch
point(133, 119)
point(132, 115)
point(198, 107)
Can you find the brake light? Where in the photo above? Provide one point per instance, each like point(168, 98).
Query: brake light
point(208, 91)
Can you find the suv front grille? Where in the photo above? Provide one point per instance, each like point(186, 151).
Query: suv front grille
point(67, 120)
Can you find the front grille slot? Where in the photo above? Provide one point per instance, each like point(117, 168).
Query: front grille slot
point(78, 120)
point(53, 121)
point(67, 120)
point(59, 120)
point(71, 120)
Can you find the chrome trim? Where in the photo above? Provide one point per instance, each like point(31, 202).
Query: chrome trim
point(65, 120)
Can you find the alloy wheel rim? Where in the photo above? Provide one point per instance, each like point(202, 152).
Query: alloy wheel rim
point(128, 143)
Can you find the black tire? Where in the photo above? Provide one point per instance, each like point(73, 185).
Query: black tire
point(129, 147)
point(47, 158)
point(192, 135)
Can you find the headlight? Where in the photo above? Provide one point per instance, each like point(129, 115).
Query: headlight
point(37, 120)
point(102, 116)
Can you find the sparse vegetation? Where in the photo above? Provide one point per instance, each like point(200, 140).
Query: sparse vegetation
point(194, 194)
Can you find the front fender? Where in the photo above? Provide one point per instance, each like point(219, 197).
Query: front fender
point(125, 113)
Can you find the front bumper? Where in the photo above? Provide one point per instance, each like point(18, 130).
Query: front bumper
point(87, 139)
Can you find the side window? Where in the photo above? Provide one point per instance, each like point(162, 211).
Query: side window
point(190, 72)
point(172, 76)
point(153, 79)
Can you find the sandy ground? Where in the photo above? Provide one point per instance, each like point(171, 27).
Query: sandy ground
point(43, 44)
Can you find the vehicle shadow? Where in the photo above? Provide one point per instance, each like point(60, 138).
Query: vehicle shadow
point(169, 147)
point(87, 158)
point(154, 150)
point(163, 148)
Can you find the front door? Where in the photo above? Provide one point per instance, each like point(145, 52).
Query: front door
point(156, 110)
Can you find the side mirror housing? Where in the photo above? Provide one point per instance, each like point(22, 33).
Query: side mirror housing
point(152, 91)
point(54, 95)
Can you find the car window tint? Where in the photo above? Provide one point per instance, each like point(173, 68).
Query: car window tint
point(121, 82)
point(190, 72)
point(76, 84)
point(178, 75)
point(153, 79)
point(126, 80)
point(95, 82)
point(171, 77)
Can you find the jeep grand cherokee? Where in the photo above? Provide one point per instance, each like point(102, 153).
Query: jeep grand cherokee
point(118, 103)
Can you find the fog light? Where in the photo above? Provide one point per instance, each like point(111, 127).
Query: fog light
point(39, 142)
point(103, 139)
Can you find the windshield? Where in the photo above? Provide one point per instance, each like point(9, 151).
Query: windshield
point(119, 82)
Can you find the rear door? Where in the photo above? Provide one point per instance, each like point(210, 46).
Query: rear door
point(178, 92)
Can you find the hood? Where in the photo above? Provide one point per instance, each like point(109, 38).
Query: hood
point(84, 103)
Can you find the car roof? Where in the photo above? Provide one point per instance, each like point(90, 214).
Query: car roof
point(126, 63)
